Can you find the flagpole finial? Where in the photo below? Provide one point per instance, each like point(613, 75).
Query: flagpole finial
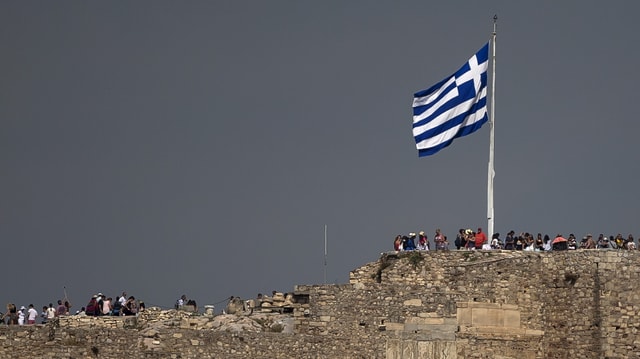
point(495, 20)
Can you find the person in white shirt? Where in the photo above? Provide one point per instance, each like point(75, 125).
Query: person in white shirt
point(32, 314)
point(181, 302)
point(21, 315)
point(123, 299)
point(423, 242)
point(51, 312)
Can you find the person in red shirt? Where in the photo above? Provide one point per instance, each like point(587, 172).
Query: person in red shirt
point(480, 238)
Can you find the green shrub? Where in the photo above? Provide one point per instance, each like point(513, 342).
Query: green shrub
point(415, 258)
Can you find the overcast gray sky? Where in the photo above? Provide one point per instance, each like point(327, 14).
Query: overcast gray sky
point(200, 147)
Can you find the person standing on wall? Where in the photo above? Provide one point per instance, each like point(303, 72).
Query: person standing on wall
point(32, 314)
point(480, 238)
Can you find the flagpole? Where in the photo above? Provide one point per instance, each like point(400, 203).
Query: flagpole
point(491, 173)
point(325, 254)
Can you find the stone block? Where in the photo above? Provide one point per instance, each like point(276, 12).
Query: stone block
point(394, 326)
point(414, 328)
point(437, 349)
point(445, 328)
point(413, 302)
point(511, 319)
point(534, 332)
point(443, 336)
point(428, 315)
point(434, 321)
point(487, 317)
point(393, 349)
point(464, 316)
point(499, 331)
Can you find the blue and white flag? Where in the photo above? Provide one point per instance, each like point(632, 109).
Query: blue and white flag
point(454, 107)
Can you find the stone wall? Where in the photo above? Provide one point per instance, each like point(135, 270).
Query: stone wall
point(570, 303)
point(457, 304)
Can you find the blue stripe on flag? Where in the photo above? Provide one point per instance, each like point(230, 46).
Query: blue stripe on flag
point(452, 108)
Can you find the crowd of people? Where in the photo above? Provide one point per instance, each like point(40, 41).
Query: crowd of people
point(408, 243)
point(467, 239)
point(98, 305)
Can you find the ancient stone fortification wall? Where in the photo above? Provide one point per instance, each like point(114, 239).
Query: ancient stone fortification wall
point(568, 304)
point(571, 304)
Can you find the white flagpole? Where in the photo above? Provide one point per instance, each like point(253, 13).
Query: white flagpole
point(491, 173)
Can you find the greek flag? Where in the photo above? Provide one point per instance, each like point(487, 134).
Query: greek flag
point(454, 107)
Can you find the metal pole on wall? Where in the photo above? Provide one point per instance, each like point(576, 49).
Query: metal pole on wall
point(325, 254)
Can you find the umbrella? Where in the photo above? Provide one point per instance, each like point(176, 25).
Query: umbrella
point(558, 240)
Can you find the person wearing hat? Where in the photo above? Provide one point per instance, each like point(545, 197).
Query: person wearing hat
point(603, 242)
point(471, 239)
point(100, 302)
point(423, 241)
point(410, 244)
point(21, 315)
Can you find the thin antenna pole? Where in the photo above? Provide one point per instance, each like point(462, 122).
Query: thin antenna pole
point(491, 173)
point(325, 254)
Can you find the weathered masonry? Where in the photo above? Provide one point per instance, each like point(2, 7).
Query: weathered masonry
point(456, 304)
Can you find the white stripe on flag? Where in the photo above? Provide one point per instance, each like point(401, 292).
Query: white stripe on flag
point(421, 101)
